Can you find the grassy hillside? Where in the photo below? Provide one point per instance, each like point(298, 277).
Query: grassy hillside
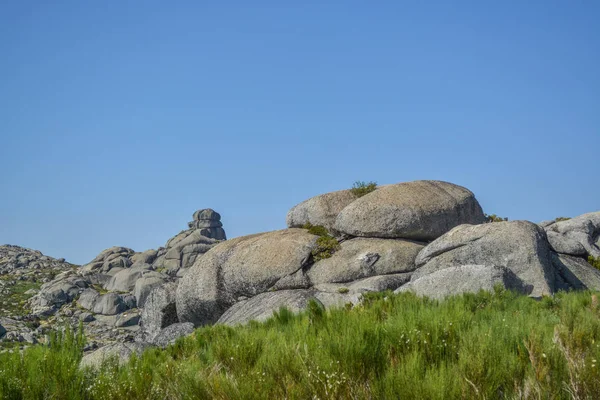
point(488, 345)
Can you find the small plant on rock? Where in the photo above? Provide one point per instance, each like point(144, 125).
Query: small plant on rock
point(562, 219)
point(318, 230)
point(361, 188)
point(326, 244)
point(594, 261)
point(494, 218)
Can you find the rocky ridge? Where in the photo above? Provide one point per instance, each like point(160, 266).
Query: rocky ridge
point(106, 295)
point(427, 237)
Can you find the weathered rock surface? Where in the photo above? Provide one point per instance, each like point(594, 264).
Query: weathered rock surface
point(419, 210)
point(464, 279)
point(577, 236)
point(113, 257)
point(170, 334)
point(208, 222)
point(88, 299)
point(575, 273)
point(197, 278)
point(378, 283)
point(30, 262)
point(125, 280)
point(182, 250)
point(60, 291)
point(145, 257)
point(159, 310)
point(364, 257)
point(146, 284)
point(110, 304)
point(119, 352)
point(262, 306)
point(320, 210)
point(519, 246)
point(241, 267)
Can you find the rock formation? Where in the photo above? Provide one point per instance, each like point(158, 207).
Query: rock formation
point(108, 294)
point(426, 237)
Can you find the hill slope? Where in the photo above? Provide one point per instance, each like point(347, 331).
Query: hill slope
point(485, 345)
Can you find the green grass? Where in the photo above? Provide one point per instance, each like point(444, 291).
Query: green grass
point(485, 345)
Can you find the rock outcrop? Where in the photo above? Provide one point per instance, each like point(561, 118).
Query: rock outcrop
point(159, 311)
point(320, 210)
point(170, 334)
point(426, 237)
point(419, 210)
point(519, 246)
point(579, 236)
point(261, 307)
point(118, 352)
point(108, 295)
point(364, 257)
point(464, 279)
point(240, 268)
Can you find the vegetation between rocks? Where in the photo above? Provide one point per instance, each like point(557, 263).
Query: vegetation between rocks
point(326, 244)
point(360, 188)
point(594, 262)
point(485, 345)
point(494, 218)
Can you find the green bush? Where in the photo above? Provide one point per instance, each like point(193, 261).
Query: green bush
point(343, 290)
point(594, 262)
point(361, 188)
point(494, 218)
point(562, 219)
point(318, 230)
point(326, 244)
point(480, 346)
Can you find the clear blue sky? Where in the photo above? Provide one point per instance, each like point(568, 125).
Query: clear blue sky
point(118, 119)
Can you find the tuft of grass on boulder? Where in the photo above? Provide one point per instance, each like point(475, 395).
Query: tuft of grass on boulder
point(495, 218)
point(360, 188)
point(594, 262)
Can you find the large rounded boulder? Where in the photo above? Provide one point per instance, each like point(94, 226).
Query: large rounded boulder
point(320, 210)
point(238, 269)
point(579, 236)
point(463, 279)
point(262, 307)
point(520, 247)
point(419, 210)
point(365, 257)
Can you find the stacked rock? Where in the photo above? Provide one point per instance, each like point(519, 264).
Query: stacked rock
point(209, 223)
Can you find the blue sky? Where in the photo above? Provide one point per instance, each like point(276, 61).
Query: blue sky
point(118, 119)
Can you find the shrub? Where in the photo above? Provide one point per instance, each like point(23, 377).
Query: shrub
point(494, 218)
point(318, 230)
point(594, 262)
point(361, 188)
point(343, 290)
point(326, 246)
point(562, 219)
